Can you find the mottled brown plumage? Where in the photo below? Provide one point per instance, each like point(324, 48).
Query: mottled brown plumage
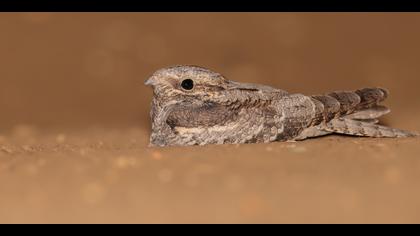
point(195, 106)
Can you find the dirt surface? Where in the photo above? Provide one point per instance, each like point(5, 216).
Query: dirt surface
point(74, 119)
point(99, 176)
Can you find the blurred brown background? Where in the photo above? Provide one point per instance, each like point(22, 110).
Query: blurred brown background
point(74, 119)
point(77, 70)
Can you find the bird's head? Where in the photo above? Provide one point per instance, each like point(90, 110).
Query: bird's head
point(186, 81)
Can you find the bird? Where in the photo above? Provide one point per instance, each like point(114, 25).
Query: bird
point(193, 105)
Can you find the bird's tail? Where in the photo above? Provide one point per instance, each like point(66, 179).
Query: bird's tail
point(366, 129)
point(355, 113)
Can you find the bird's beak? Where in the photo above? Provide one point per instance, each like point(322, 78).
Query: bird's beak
point(150, 81)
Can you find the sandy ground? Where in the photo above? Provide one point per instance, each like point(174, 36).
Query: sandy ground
point(112, 176)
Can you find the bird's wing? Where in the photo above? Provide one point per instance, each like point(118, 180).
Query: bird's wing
point(202, 115)
point(298, 113)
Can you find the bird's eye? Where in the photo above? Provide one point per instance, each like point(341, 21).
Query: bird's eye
point(187, 84)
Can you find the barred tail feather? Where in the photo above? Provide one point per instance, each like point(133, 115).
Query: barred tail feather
point(337, 104)
point(366, 129)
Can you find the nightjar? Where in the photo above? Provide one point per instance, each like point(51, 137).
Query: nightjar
point(196, 106)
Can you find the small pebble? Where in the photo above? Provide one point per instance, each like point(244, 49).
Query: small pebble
point(157, 155)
